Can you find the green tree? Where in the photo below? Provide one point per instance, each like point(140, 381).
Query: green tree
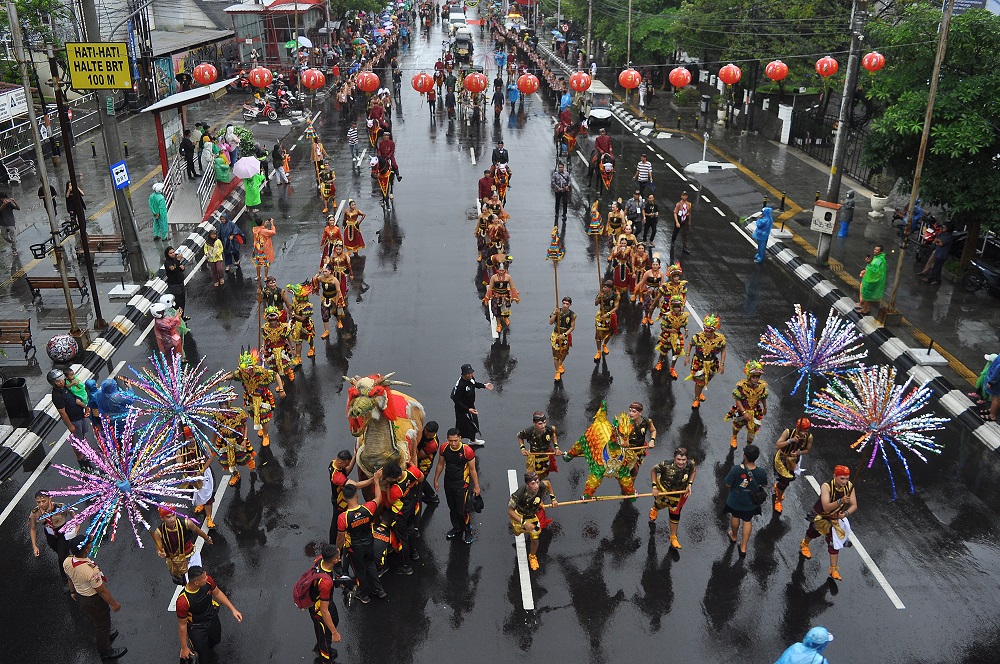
point(961, 168)
point(37, 18)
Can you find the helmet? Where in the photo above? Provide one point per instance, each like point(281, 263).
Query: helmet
point(168, 300)
point(158, 310)
point(158, 187)
point(54, 375)
point(711, 322)
point(300, 291)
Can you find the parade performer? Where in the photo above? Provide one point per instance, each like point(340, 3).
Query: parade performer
point(629, 235)
point(340, 265)
point(751, 402)
point(495, 206)
point(539, 445)
point(673, 334)
point(499, 295)
point(302, 320)
point(493, 263)
point(527, 514)
point(263, 245)
point(232, 438)
point(616, 220)
point(277, 350)
point(257, 396)
point(328, 189)
point(175, 546)
point(353, 242)
point(836, 502)
point(668, 477)
point(482, 233)
point(637, 445)
point(331, 300)
point(331, 234)
point(458, 463)
point(708, 357)
point(427, 448)
point(374, 131)
point(792, 444)
point(673, 286)
point(602, 446)
point(497, 234)
point(606, 321)
point(502, 174)
point(563, 321)
point(648, 288)
point(272, 296)
point(620, 262)
point(402, 499)
point(387, 150)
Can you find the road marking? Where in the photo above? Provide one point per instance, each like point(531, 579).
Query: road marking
point(721, 213)
point(318, 113)
point(583, 159)
point(44, 464)
point(472, 153)
point(660, 156)
point(705, 198)
point(361, 157)
point(863, 552)
point(200, 544)
point(671, 167)
point(743, 234)
point(294, 145)
point(340, 208)
point(697, 317)
point(522, 554)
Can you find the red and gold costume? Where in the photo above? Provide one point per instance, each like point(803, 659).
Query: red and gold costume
point(257, 396)
point(647, 290)
point(331, 235)
point(353, 241)
point(705, 349)
point(751, 402)
point(340, 265)
point(501, 178)
point(620, 261)
point(232, 425)
point(498, 235)
point(616, 221)
point(302, 327)
point(277, 346)
point(673, 330)
point(482, 234)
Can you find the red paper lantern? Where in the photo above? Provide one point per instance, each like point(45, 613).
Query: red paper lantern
point(873, 61)
point(527, 84)
point(776, 70)
point(205, 73)
point(826, 66)
point(475, 83)
point(313, 79)
point(422, 82)
point(730, 74)
point(368, 81)
point(679, 77)
point(629, 79)
point(580, 81)
point(260, 77)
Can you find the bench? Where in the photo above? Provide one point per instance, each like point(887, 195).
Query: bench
point(17, 333)
point(18, 166)
point(104, 244)
point(37, 284)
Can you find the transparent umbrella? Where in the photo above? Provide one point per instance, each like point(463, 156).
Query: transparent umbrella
point(246, 167)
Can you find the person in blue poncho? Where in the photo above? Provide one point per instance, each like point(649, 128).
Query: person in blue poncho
point(763, 231)
point(809, 650)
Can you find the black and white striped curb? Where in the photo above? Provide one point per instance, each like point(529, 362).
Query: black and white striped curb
point(638, 126)
point(23, 441)
point(956, 402)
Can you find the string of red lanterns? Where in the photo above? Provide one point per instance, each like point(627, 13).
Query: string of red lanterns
point(679, 77)
point(205, 73)
point(527, 84)
point(422, 82)
point(580, 81)
point(475, 82)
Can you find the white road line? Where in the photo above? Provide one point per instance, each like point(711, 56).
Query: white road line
point(671, 167)
point(583, 159)
point(363, 154)
point(697, 317)
point(145, 333)
point(318, 113)
point(479, 207)
point(34, 476)
point(863, 552)
point(659, 156)
point(743, 234)
point(294, 145)
point(705, 198)
point(200, 544)
point(522, 554)
point(472, 153)
point(340, 209)
point(721, 213)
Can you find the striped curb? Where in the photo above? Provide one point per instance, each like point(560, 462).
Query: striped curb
point(956, 402)
point(23, 441)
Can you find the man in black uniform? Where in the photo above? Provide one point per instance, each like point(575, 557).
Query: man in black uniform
point(458, 462)
point(466, 415)
point(403, 496)
point(187, 151)
point(340, 471)
point(198, 623)
point(356, 523)
point(637, 438)
point(427, 447)
point(523, 509)
point(500, 155)
point(323, 611)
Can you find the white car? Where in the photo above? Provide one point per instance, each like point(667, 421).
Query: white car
point(456, 20)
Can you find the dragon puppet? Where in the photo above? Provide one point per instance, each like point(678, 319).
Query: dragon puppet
point(604, 446)
point(386, 422)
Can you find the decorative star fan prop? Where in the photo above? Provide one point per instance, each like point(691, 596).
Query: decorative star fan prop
point(836, 350)
point(132, 472)
point(869, 400)
point(177, 395)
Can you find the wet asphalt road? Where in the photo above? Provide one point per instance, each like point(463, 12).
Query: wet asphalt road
point(607, 591)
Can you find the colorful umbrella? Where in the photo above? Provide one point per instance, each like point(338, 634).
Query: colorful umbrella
point(360, 41)
point(246, 167)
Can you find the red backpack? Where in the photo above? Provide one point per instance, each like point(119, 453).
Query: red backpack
point(300, 591)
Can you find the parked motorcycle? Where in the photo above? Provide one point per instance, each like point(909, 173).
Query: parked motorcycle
point(241, 84)
point(256, 111)
point(980, 275)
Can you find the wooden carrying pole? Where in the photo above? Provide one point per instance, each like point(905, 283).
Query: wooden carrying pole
point(621, 497)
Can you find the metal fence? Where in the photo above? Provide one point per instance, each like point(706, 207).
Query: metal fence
point(17, 139)
point(814, 135)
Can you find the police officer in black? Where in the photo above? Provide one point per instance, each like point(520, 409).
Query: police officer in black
point(464, 397)
point(356, 523)
point(458, 463)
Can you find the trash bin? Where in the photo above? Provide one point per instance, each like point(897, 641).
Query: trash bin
point(14, 392)
point(706, 102)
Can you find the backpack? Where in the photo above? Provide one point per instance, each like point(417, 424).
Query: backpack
point(300, 591)
point(758, 494)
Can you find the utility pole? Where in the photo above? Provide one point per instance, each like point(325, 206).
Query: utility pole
point(77, 200)
point(843, 121)
point(112, 148)
point(590, 24)
point(924, 138)
point(15, 32)
point(628, 46)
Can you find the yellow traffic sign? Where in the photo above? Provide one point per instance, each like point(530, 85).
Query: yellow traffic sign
point(99, 65)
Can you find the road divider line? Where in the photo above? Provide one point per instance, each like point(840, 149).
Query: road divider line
point(340, 210)
point(705, 198)
point(472, 153)
point(200, 544)
point(522, 554)
point(721, 213)
point(361, 157)
point(679, 174)
point(195, 270)
point(743, 234)
point(660, 156)
point(583, 159)
point(863, 552)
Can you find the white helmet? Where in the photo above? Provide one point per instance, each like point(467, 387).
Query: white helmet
point(158, 187)
point(168, 300)
point(157, 310)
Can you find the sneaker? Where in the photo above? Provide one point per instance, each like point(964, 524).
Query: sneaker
point(113, 654)
point(364, 599)
point(414, 554)
point(311, 353)
point(452, 534)
point(405, 570)
point(804, 549)
point(597, 356)
point(325, 335)
point(468, 538)
point(381, 594)
point(606, 350)
point(235, 479)
point(696, 405)
point(685, 252)
point(436, 500)
point(478, 442)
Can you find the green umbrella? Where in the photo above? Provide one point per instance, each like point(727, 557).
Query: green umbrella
point(291, 43)
point(359, 40)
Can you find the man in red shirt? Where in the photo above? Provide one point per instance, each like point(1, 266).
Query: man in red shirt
point(603, 144)
point(485, 186)
point(458, 463)
point(402, 500)
point(356, 523)
point(340, 470)
point(198, 623)
point(323, 611)
point(387, 150)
